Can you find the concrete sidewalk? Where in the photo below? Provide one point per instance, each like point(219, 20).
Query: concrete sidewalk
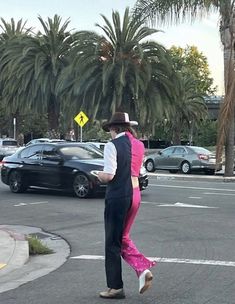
point(14, 252)
point(16, 266)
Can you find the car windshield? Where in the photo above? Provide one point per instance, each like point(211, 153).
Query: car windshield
point(97, 149)
point(9, 143)
point(200, 150)
point(79, 152)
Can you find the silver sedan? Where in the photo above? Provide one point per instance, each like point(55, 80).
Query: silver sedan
point(182, 158)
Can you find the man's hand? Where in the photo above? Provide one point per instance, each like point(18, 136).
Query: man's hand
point(105, 177)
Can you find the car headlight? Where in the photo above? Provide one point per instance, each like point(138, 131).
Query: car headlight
point(143, 170)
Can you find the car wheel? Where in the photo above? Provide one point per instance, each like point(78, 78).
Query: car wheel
point(81, 186)
point(185, 167)
point(149, 165)
point(16, 182)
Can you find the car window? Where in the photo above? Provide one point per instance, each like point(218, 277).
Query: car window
point(200, 150)
point(97, 149)
point(31, 152)
point(167, 151)
point(49, 152)
point(80, 152)
point(98, 145)
point(179, 150)
point(9, 143)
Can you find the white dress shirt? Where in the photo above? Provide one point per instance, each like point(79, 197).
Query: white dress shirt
point(110, 157)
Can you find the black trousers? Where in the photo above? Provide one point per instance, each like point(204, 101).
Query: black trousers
point(114, 219)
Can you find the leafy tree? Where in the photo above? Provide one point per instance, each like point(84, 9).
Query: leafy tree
point(179, 10)
point(207, 133)
point(9, 31)
point(12, 29)
point(118, 71)
point(30, 68)
point(188, 108)
point(190, 61)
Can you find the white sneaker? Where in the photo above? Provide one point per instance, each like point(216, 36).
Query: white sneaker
point(145, 281)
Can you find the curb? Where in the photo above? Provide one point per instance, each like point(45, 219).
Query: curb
point(16, 251)
point(20, 268)
point(193, 177)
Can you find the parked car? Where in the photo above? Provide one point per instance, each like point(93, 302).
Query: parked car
point(182, 158)
point(62, 166)
point(143, 179)
point(98, 144)
point(8, 146)
point(41, 140)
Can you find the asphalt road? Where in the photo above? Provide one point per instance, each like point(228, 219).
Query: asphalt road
point(188, 226)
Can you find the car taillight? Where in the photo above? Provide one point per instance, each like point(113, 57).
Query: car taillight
point(203, 156)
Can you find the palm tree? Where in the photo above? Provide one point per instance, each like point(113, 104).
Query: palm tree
point(10, 31)
point(31, 67)
point(188, 109)
point(179, 10)
point(112, 72)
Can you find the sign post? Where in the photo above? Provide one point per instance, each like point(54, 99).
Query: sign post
point(81, 119)
point(14, 127)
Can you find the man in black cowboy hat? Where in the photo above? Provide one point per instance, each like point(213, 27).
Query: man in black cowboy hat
point(118, 201)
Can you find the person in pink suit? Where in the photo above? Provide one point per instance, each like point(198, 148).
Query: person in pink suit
point(123, 158)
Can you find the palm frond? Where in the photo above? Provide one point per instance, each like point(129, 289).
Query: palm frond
point(173, 11)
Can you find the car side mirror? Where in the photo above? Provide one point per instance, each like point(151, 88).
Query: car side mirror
point(160, 152)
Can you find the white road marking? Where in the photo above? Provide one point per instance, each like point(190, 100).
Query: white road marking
point(166, 260)
point(20, 204)
point(196, 188)
point(211, 193)
point(182, 205)
point(149, 203)
point(38, 203)
point(26, 204)
point(195, 197)
point(177, 204)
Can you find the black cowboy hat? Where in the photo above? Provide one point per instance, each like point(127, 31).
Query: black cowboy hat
point(119, 118)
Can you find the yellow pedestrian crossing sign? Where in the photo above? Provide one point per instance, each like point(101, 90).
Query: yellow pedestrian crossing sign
point(81, 119)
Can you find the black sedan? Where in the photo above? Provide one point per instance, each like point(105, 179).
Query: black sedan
point(62, 166)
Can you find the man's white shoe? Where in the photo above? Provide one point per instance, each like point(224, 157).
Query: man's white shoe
point(145, 281)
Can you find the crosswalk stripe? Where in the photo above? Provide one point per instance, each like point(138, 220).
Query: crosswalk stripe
point(166, 260)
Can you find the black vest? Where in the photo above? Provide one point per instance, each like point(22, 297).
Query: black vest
point(120, 185)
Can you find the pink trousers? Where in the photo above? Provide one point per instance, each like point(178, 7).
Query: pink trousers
point(129, 252)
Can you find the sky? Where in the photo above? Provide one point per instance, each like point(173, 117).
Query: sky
point(85, 14)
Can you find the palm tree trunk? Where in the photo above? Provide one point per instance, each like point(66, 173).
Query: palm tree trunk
point(226, 117)
point(176, 134)
point(53, 114)
point(229, 148)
